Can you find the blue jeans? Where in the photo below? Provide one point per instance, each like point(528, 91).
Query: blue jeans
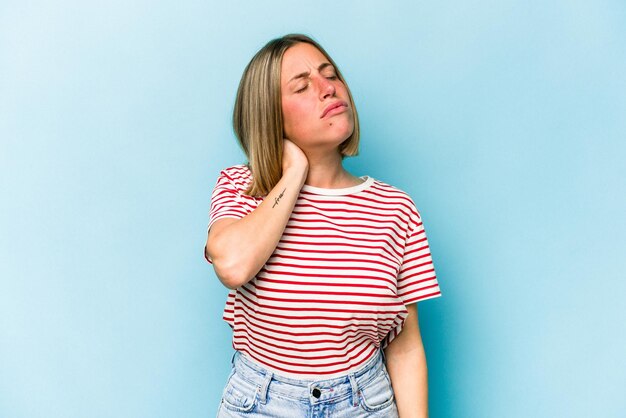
point(253, 391)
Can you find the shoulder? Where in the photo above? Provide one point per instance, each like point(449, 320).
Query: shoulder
point(233, 179)
point(389, 191)
point(238, 175)
point(237, 172)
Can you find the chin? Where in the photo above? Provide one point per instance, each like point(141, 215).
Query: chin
point(344, 133)
point(336, 134)
point(341, 129)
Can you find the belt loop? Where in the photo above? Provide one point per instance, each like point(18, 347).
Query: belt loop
point(265, 387)
point(232, 359)
point(383, 354)
point(355, 389)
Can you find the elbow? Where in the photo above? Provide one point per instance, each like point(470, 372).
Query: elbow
point(232, 267)
point(227, 282)
point(230, 271)
point(226, 276)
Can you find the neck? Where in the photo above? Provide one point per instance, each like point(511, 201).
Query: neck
point(326, 171)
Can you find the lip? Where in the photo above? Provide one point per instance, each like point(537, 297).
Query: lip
point(333, 106)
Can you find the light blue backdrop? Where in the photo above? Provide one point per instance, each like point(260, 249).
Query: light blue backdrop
point(505, 121)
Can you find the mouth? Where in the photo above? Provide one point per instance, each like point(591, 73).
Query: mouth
point(333, 108)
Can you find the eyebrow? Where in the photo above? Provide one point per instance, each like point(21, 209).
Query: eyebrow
point(306, 73)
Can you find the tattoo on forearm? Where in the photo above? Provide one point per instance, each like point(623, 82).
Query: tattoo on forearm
point(276, 199)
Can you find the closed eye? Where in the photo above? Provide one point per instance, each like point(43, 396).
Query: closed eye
point(328, 77)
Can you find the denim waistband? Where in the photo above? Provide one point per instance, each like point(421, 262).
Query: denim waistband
point(306, 390)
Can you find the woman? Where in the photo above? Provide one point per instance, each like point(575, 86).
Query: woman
point(324, 268)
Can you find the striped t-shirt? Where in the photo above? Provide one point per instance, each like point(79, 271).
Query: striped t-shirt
point(335, 288)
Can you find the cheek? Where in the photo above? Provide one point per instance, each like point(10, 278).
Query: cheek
point(294, 115)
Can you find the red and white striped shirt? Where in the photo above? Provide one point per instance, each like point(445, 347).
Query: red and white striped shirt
point(336, 286)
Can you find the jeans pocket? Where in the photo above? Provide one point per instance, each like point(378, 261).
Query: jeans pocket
point(377, 394)
point(239, 394)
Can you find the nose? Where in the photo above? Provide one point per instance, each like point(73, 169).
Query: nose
point(327, 88)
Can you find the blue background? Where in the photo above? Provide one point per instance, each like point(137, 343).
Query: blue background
point(505, 121)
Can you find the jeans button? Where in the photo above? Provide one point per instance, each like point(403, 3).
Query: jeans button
point(317, 393)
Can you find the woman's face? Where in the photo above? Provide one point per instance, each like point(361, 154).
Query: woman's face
point(316, 107)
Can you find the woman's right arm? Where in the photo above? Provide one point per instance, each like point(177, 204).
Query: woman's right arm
point(240, 247)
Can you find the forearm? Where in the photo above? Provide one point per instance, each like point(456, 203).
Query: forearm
point(245, 245)
point(409, 378)
point(406, 364)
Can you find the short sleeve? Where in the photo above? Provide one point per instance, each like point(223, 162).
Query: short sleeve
point(417, 279)
point(226, 202)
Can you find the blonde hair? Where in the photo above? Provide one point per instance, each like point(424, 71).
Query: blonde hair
point(258, 119)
